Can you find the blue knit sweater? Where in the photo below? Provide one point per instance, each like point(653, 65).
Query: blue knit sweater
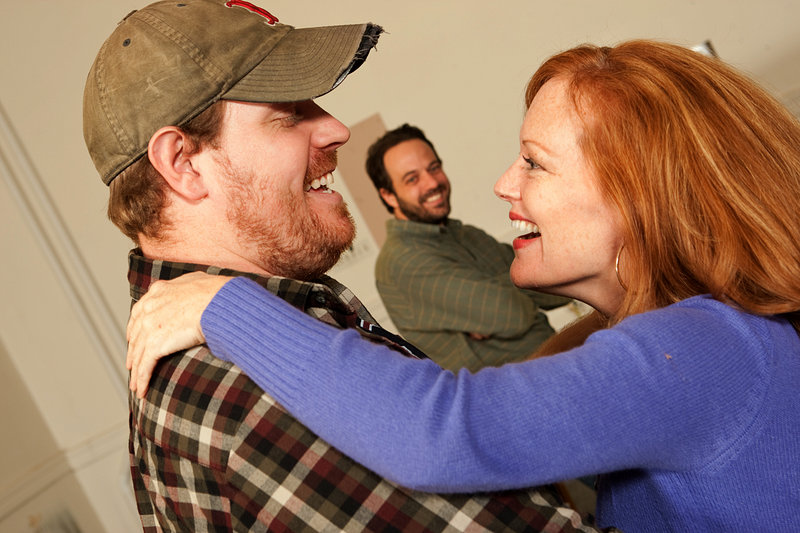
point(691, 413)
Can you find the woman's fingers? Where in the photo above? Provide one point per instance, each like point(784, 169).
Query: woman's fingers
point(166, 320)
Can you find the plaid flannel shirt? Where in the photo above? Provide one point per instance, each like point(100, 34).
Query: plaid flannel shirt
point(210, 451)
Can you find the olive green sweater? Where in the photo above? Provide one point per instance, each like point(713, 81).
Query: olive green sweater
point(440, 283)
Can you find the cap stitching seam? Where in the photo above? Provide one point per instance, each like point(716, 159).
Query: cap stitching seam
point(126, 143)
point(185, 44)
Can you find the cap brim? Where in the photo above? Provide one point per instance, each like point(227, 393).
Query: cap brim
point(306, 63)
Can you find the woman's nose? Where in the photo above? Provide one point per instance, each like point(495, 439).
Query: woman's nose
point(505, 187)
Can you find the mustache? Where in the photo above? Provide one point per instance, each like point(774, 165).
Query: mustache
point(433, 192)
point(321, 164)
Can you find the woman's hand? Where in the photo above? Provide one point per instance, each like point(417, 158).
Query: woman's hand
point(166, 320)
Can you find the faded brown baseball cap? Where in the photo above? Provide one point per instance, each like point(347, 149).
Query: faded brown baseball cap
point(167, 62)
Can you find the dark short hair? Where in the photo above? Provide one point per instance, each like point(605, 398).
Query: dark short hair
point(375, 167)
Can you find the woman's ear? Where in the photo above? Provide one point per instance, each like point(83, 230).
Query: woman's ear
point(168, 154)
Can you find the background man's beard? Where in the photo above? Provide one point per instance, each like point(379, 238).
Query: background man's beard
point(417, 213)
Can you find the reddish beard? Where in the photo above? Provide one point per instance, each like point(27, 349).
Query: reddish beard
point(286, 243)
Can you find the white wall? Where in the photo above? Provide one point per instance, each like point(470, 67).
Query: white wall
point(455, 68)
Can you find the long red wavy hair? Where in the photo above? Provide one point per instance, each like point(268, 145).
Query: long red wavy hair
point(704, 167)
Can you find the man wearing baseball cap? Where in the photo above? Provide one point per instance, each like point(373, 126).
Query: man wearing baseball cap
point(199, 115)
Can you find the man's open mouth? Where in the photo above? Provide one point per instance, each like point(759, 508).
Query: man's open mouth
point(320, 184)
point(433, 197)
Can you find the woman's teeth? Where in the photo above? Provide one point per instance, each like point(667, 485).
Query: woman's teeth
point(525, 227)
point(321, 183)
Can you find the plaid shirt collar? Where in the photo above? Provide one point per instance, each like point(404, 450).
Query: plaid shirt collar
point(325, 298)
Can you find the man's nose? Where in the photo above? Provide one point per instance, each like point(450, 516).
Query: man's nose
point(332, 134)
point(429, 180)
point(329, 133)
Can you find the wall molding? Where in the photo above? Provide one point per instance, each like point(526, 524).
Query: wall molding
point(105, 335)
point(59, 249)
point(63, 464)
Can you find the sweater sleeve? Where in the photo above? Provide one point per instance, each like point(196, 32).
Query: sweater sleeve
point(651, 393)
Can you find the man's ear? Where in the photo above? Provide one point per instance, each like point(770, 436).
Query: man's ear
point(388, 197)
point(168, 154)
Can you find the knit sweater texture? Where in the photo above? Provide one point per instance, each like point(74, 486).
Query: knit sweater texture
point(689, 412)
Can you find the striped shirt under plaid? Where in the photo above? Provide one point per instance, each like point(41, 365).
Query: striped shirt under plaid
point(210, 451)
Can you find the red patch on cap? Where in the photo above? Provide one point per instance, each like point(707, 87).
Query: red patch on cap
point(271, 19)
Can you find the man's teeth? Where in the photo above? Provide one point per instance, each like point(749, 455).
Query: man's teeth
point(525, 226)
point(321, 182)
point(434, 198)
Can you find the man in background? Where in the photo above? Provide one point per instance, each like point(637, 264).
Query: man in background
point(445, 284)
point(199, 115)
